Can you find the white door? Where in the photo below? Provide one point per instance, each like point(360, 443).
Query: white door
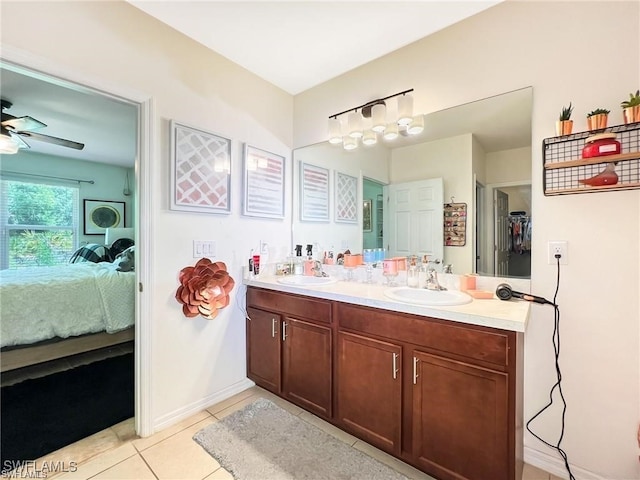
point(414, 213)
point(501, 249)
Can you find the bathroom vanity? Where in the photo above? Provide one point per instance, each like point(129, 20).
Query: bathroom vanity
point(437, 387)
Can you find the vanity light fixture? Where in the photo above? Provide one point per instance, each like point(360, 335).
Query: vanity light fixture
point(352, 129)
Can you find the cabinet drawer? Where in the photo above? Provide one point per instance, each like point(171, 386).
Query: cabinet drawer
point(477, 343)
point(294, 305)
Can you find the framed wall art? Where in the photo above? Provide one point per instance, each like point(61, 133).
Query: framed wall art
point(346, 201)
point(200, 170)
point(102, 214)
point(263, 183)
point(314, 193)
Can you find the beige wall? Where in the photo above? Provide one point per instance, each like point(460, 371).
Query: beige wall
point(193, 361)
point(541, 44)
point(546, 45)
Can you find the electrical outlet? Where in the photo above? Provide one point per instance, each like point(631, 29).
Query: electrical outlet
point(558, 248)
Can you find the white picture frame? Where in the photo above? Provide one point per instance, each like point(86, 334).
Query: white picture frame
point(200, 170)
point(314, 193)
point(263, 185)
point(346, 198)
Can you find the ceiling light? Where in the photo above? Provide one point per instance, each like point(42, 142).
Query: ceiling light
point(354, 122)
point(405, 109)
point(349, 143)
point(369, 138)
point(335, 131)
point(8, 144)
point(378, 117)
point(391, 132)
point(416, 126)
point(376, 110)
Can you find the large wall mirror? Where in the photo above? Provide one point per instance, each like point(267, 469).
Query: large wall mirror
point(482, 153)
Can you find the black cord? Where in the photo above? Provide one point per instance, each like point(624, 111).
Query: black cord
point(558, 384)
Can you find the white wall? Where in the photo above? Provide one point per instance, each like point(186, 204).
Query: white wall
point(194, 361)
point(546, 45)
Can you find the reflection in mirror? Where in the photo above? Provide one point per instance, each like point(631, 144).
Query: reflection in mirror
point(482, 152)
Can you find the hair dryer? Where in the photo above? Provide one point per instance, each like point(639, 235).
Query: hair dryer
point(504, 292)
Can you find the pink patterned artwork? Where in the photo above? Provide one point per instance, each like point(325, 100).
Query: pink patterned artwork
point(200, 170)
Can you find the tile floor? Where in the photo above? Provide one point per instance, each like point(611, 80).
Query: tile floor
point(118, 453)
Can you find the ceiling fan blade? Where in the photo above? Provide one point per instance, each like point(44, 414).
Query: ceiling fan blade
point(22, 123)
point(55, 140)
point(21, 143)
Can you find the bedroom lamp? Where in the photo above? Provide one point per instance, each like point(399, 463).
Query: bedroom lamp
point(113, 234)
point(367, 121)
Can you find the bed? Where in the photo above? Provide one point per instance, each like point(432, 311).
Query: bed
point(90, 304)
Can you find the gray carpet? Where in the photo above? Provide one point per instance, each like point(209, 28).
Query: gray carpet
point(265, 442)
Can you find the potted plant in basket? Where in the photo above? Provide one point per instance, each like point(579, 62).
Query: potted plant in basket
point(631, 108)
point(597, 119)
point(564, 125)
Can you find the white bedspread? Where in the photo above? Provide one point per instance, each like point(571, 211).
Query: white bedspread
point(42, 303)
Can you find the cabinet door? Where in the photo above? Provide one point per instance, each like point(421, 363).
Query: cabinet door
point(263, 348)
point(306, 365)
point(369, 384)
point(460, 414)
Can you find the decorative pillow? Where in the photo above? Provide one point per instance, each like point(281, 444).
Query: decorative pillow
point(91, 252)
point(126, 260)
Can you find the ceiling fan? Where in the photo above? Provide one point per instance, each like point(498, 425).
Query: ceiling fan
point(13, 128)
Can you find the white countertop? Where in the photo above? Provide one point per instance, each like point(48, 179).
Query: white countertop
point(506, 315)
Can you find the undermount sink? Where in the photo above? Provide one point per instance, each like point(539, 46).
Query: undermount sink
point(422, 296)
point(306, 280)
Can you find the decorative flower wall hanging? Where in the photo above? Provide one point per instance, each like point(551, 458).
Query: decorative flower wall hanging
point(204, 288)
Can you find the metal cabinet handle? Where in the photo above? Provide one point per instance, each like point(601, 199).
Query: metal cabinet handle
point(415, 370)
point(284, 331)
point(395, 365)
point(273, 327)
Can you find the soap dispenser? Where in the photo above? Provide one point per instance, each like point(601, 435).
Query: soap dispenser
point(297, 264)
point(423, 272)
point(413, 273)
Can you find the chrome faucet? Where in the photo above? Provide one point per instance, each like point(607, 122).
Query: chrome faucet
point(317, 269)
point(432, 277)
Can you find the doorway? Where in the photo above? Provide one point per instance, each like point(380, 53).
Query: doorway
point(37, 68)
point(504, 230)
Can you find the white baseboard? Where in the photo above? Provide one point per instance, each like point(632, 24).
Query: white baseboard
point(554, 464)
point(198, 406)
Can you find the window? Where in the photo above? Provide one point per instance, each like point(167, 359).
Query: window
point(39, 224)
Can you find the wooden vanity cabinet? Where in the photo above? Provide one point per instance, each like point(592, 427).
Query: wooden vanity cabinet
point(289, 348)
point(460, 406)
point(369, 390)
point(443, 396)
